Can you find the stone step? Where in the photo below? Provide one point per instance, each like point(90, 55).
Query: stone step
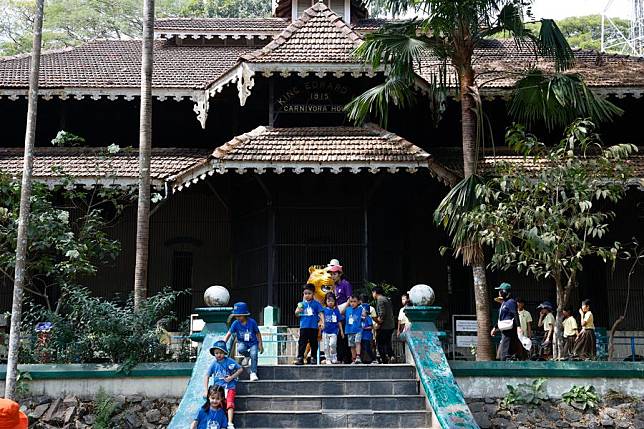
point(331, 419)
point(317, 403)
point(296, 387)
point(333, 372)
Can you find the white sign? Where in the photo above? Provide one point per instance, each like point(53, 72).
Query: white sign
point(465, 340)
point(466, 326)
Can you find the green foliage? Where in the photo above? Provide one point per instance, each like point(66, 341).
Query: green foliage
point(22, 383)
point(72, 22)
point(93, 329)
point(449, 32)
point(526, 394)
point(104, 408)
point(564, 97)
point(585, 31)
point(388, 289)
point(65, 138)
point(544, 220)
point(67, 233)
point(583, 397)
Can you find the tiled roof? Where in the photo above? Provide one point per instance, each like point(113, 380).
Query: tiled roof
point(238, 25)
point(117, 64)
point(89, 165)
point(358, 9)
point(310, 149)
point(452, 159)
point(318, 36)
point(498, 62)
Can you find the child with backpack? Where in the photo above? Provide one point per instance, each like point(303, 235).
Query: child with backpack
point(225, 372)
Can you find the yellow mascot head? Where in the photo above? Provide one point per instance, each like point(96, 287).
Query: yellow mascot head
point(320, 278)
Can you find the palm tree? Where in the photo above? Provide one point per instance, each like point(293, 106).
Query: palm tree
point(25, 208)
point(145, 143)
point(448, 33)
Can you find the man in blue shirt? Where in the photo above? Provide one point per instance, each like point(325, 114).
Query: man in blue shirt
point(507, 323)
point(311, 314)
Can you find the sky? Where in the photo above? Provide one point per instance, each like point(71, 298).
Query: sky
point(558, 9)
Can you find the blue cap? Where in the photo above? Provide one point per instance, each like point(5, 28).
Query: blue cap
point(240, 309)
point(504, 286)
point(219, 345)
point(545, 304)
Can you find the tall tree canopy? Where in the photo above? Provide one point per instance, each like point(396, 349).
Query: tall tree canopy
point(71, 22)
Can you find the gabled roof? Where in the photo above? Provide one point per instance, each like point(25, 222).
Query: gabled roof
point(313, 149)
point(318, 36)
point(92, 166)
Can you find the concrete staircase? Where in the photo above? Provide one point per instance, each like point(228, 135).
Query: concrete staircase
point(332, 396)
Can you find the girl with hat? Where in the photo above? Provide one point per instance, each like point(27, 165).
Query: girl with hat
point(249, 339)
point(10, 415)
point(225, 372)
point(547, 321)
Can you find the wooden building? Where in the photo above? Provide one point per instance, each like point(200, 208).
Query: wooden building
point(262, 174)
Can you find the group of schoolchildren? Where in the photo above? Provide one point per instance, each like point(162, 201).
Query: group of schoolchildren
point(579, 338)
point(357, 327)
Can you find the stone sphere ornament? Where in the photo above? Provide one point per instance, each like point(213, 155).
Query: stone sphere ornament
point(216, 296)
point(422, 294)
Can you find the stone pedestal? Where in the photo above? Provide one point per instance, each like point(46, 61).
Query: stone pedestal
point(271, 316)
point(215, 318)
point(423, 317)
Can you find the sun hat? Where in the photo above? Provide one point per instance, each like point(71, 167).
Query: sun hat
point(335, 268)
point(219, 345)
point(504, 286)
point(10, 415)
point(240, 309)
point(333, 262)
point(545, 304)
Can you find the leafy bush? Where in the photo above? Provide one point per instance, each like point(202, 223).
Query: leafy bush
point(526, 394)
point(87, 328)
point(388, 290)
point(583, 397)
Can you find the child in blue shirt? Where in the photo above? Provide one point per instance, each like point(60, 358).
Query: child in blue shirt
point(249, 339)
point(225, 372)
point(332, 328)
point(353, 328)
point(311, 314)
point(212, 414)
point(367, 331)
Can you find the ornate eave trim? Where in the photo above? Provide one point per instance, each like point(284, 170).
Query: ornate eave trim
point(91, 182)
point(217, 34)
point(185, 180)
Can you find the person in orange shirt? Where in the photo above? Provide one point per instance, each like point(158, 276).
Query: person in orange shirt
point(10, 415)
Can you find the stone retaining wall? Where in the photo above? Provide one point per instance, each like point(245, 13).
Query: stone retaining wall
point(615, 414)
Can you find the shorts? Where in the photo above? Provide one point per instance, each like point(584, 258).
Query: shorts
point(230, 398)
point(354, 339)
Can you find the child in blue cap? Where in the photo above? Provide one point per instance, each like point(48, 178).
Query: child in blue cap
point(367, 331)
point(249, 339)
point(225, 372)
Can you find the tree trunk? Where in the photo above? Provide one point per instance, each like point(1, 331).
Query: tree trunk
point(484, 347)
point(563, 296)
point(145, 143)
point(25, 208)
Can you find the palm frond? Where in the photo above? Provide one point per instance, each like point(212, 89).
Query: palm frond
point(451, 215)
point(510, 20)
point(556, 100)
point(553, 44)
point(376, 101)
